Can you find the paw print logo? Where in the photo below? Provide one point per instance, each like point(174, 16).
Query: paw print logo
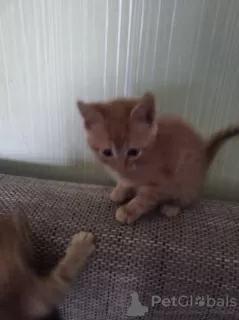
point(200, 301)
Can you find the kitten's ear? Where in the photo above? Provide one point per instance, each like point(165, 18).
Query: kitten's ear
point(144, 111)
point(90, 113)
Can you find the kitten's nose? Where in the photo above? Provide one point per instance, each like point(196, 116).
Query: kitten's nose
point(121, 165)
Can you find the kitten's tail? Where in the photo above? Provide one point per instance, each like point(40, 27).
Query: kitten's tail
point(217, 140)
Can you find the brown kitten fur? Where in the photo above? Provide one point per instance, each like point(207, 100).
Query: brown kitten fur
point(24, 295)
point(169, 160)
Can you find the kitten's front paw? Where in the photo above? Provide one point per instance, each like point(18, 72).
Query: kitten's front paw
point(83, 243)
point(124, 216)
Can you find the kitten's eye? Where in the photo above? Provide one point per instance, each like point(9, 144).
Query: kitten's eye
point(107, 152)
point(132, 152)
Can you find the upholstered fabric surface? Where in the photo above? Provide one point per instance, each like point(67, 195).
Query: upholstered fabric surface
point(188, 265)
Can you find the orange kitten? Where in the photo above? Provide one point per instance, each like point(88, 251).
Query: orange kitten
point(25, 295)
point(160, 160)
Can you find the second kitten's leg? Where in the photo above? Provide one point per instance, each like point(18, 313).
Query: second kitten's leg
point(147, 198)
point(122, 193)
point(47, 291)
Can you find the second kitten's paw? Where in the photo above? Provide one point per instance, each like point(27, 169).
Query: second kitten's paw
point(83, 242)
point(170, 210)
point(124, 216)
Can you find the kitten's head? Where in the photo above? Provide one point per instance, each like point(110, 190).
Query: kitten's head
point(121, 130)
